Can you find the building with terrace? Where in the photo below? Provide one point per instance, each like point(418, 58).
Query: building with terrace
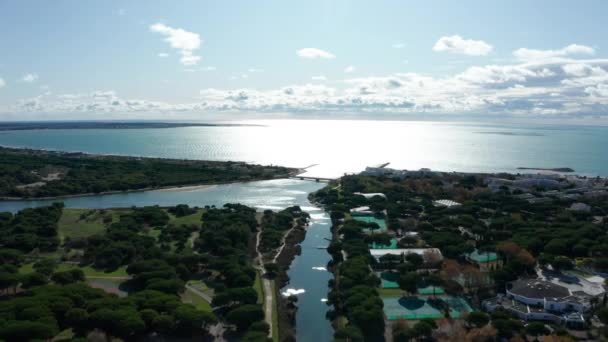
point(537, 299)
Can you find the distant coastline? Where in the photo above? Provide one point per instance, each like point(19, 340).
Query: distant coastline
point(26, 126)
point(557, 169)
point(193, 174)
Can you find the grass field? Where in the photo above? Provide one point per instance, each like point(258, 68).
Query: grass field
point(192, 298)
point(275, 314)
point(109, 285)
point(194, 219)
point(201, 286)
point(71, 225)
point(390, 292)
point(88, 270)
point(65, 335)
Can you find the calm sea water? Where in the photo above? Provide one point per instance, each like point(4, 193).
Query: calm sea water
point(348, 146)
point(275, 194)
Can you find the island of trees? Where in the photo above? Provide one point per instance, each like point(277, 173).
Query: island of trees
point(36, 174)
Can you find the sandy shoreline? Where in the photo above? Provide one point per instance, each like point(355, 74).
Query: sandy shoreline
point(172, 188)
point(188, 188)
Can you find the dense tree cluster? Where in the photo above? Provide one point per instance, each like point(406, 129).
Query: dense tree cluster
point(29, 229)
point(275, 224)
point(225, 239)
point(44, 311)
point(182, 210)
point(79, 173)
point(121, 243)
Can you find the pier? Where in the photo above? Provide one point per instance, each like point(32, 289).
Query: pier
point(316, 179)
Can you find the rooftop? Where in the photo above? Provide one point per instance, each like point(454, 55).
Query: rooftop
point(398, 251)
point(535, 288)
point(446, 203)
point(370, 195)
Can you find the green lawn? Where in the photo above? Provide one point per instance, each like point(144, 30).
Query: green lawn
point(71, 225)
point(390, 292)
point(65, 335)
point(187, 220)
point(275, 314)
point(192, 298)
point(201, 286)
point(109, 285)
point(88, 270)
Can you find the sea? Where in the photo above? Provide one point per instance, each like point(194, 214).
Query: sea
point(335, 147)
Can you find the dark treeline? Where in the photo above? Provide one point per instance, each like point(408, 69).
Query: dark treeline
point(28, 173)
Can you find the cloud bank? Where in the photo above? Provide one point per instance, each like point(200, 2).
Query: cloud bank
point(549, 83)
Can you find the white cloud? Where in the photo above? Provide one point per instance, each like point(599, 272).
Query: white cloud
point(182, 40)
point(30, 78)
point(121, 11)
point(314, 53)
point(459, 45)
point(208, 68)
point(525, 54)
point(349, 69)
point(163, 55)
point(253, 70)
point(319, 78)
point(2, 83)
point(398, 46)
point(559, 86)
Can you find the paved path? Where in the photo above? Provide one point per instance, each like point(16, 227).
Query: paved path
point(269, 304)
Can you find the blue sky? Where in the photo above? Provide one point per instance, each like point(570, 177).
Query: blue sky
point(237, 59)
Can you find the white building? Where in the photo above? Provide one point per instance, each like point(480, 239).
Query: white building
point(370, 194)
point(538, 299)
point(426, 253)
point(580, 207)
point(446, 203)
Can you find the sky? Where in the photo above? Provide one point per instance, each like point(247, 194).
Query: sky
point(205, 60)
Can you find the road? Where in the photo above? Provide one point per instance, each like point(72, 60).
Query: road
point(266, 285)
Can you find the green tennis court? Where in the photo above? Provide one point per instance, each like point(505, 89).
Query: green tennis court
point(419, 307)
point(431, 290)
point(389, 280)
point(392, 245)
point(482, 257)
point(371, 219)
